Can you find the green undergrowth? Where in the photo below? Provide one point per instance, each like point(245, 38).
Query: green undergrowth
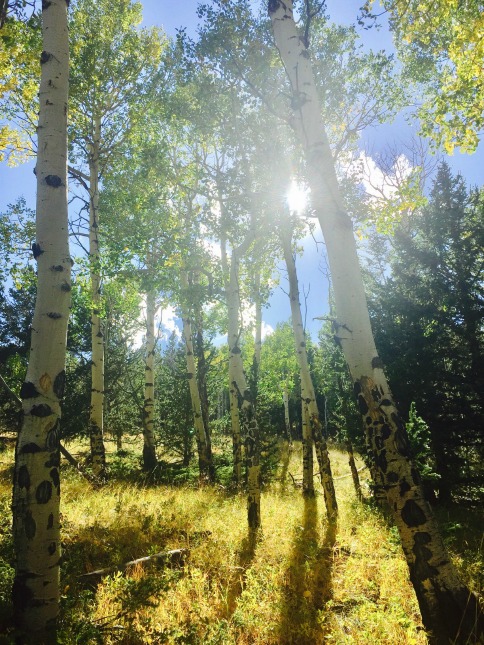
point(301, 580)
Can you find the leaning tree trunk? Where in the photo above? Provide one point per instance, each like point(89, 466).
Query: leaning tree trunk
point(449, 610)
point(307, 388)
point(248, 421)
point(36, 489)
point(204, 456)
point(353, 468)
point(149, 447)
point(96, 416)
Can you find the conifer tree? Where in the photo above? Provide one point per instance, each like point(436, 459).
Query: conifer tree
point(449, 609)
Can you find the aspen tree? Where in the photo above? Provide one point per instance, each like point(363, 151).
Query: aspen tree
point(312, 426)
point(36, 492)
point(149, 448)
point(233, 399)
point(287, 418)
point(96, 421)
point(112, 60)
point(248, 421)
point(204, 455)
point(449, 610)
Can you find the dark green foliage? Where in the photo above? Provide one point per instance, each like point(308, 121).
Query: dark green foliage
point(6, 569)
point(335, 391)
point(422, 453)
point(428, 318)
point(174, 424)
point(16, 312)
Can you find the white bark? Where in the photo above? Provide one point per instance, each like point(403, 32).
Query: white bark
point(312, 426)
point(307, 449)
point(233, 399)
point(200, 431)
point(446, 605)
point(96, 417)
point(287, 419)
point(248, 420)
point(36, 529)
point(258, 338)
point(149, 446)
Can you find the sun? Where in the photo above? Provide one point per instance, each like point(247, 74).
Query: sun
point(297, 198)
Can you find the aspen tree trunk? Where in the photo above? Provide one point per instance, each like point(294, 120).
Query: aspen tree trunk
point(307, 388)
point(248, 421)
point(36, 487)
point(202, 369)
point(204, 464)
point(149, 448)
point(353, 468)
point(348, 444)
point(449, 610)
point(202, 366)
point(287, 419)
point(257, 339)
point(307, 449)
point(233, 398)
point(96, 417)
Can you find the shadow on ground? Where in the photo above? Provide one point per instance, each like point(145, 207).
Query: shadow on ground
point(308, 580)
point(245, 559)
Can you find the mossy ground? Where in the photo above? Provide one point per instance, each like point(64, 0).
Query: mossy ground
point(301, 581)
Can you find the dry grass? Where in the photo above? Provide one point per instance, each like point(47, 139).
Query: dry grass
point(302, 581)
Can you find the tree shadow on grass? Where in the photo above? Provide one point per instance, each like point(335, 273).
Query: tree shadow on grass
point(308, 579)
point(134, 588)
point(286, 451)
point(245, 558)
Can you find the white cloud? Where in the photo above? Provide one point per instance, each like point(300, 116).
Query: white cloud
point(267, 330)
point(165, 324)
point(380, 184)
point(212, 247)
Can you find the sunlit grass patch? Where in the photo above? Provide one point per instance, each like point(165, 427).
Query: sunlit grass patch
point(301, 581)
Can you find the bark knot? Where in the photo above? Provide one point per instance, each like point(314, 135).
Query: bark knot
point(54, 181)
point(45, 56)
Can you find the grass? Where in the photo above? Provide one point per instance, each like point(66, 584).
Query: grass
point(302, 581)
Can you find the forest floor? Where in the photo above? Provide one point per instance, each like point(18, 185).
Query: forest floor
point(303, 581)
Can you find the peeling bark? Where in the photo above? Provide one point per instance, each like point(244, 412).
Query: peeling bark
point(449, 610)
point(36, 489)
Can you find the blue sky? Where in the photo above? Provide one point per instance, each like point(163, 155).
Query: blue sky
point(171, 14)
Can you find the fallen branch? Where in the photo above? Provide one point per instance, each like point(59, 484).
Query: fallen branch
point(73, 462)
point(9, 391)
point(297, 484)
point(8, 438)
point(175, 556)
point(349, 474)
